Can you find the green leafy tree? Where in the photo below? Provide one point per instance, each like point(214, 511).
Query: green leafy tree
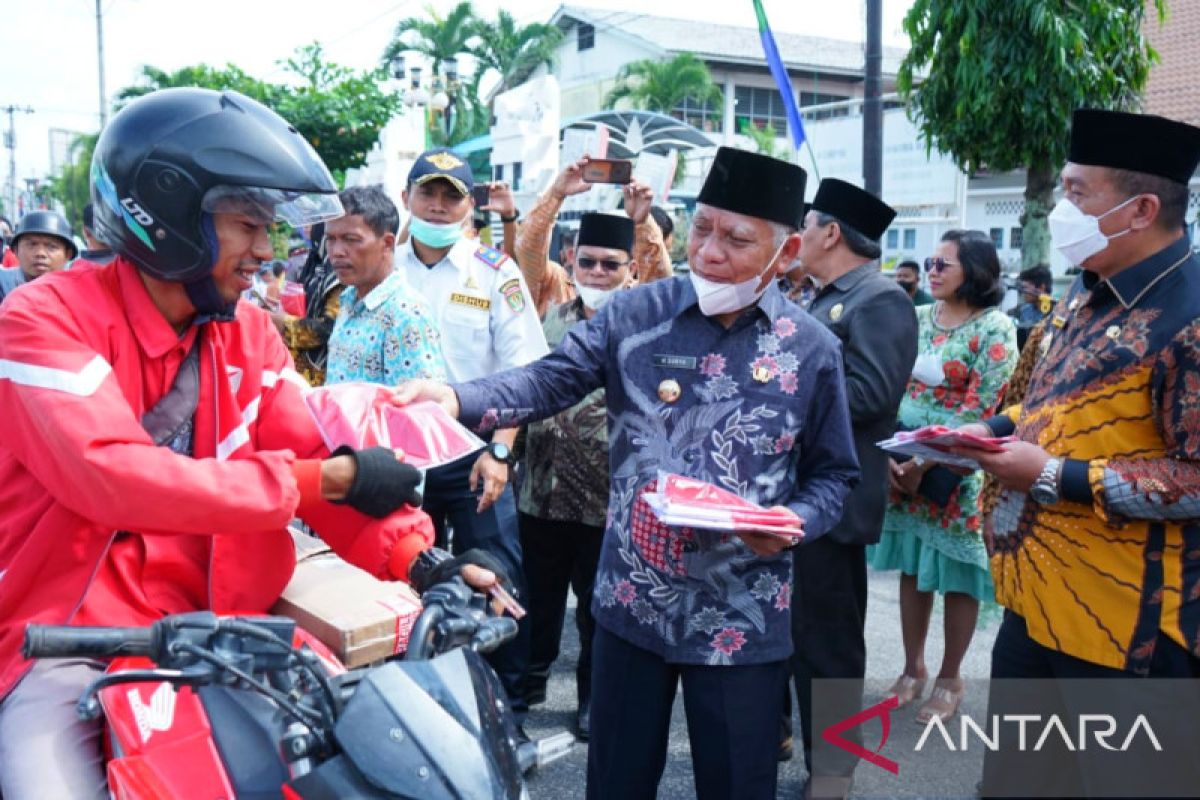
point(662, 85)
point(514, 52)
point(766, 140)
point(440, 39)
point(340, 111)
point(73, 186)
point(993, 84)
point(436, 37)
point(202, 75)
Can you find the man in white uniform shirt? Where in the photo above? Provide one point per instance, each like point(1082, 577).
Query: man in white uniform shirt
point(488, 324)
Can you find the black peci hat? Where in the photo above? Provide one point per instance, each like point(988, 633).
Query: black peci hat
point(605, 230)
point(1135, 142)
point(755, 185)
point(856, 207)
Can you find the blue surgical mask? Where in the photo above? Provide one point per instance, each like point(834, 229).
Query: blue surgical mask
point(431, 234)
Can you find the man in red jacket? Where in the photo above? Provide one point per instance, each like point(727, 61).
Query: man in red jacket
point(154, 442)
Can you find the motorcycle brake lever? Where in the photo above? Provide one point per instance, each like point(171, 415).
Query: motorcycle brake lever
point(88, 707)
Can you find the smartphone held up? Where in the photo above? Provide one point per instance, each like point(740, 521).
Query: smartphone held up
point(604, 170)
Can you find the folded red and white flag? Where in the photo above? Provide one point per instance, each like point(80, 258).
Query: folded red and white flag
point(691, 503)
point(363, 415)
point(933, 443)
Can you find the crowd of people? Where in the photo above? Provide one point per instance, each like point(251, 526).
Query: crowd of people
point(770, 369)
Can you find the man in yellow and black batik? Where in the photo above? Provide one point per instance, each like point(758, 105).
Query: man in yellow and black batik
point(1097, 533)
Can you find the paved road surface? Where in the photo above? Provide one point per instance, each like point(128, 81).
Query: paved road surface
point(565, 779)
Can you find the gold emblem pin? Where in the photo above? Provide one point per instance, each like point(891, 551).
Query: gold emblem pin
point(669, 391)
point(835, 313)
point(1113, 332)
point(762, 374)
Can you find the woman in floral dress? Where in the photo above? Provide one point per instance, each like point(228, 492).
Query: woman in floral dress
point(967, 349)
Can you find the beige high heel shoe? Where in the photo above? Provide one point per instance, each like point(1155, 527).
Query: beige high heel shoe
point(906, 689)
point(943, 702)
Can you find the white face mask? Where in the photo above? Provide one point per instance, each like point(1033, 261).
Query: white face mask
point(725, 298)
point(595, 298)
point(1077, 235)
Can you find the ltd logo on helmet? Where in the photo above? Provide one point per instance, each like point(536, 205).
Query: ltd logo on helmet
point(136, 211)
point(133, 215)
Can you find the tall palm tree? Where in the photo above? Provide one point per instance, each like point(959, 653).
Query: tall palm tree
point(513, 51)
point(436, 37)
point(662, 85)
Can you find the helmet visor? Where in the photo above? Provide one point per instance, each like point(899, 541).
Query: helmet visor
point(298, 209)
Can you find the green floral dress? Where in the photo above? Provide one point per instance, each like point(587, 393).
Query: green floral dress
point(943, 545)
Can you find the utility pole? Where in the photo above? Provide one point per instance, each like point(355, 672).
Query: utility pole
point(872, 105)
point(10, 141)
point(100, 63)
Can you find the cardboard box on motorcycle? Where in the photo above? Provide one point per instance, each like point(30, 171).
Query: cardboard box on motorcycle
point(360, 618)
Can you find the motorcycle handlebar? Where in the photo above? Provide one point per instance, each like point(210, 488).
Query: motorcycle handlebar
point(64, 641)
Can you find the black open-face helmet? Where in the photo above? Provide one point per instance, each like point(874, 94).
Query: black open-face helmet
point(47, 223)
point(172, 158)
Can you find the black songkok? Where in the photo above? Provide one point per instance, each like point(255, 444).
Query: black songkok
point(755, 185)
point(606, 230)
point(1135, 142)
point(856, 207)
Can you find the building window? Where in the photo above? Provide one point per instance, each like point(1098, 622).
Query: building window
point(818, 99)
point(760, 107)
point(516, 176)
point(997, 235)
point(910, 238)
point(585, 36)
point(1016, 238)
point(708, 116)
point(893, 239)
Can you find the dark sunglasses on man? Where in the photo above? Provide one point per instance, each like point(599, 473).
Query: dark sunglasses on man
point(938, 264)
point(609, 264)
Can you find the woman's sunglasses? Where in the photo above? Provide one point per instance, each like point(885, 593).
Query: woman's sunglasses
point(609, 264)
point(938, 264)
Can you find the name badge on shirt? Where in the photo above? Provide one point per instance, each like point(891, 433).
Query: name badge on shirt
point(675, 362)
point(482, 303)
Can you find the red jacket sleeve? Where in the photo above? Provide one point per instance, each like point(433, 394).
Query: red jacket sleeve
point(383, 547)
point(65, 419)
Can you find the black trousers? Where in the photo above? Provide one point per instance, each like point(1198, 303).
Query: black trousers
point(557, 555)
point(732, 715)
point(829, 612)
point(1059, 684)
point(450, 501)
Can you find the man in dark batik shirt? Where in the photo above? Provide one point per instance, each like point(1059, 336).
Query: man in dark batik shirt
point(715, 376)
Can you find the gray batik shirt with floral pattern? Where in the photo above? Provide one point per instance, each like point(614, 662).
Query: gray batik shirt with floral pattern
point(762, 412)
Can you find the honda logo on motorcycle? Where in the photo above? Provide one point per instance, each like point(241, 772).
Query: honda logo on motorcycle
point(158, 715)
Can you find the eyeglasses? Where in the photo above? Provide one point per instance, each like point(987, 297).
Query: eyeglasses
point(609, 264)
point(938, 264)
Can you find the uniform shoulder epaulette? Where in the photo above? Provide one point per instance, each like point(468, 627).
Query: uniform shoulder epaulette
point(490, 256)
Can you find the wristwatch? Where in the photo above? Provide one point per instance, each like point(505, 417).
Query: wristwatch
point(500, 452)
point(1045, 488)
point(513, 218)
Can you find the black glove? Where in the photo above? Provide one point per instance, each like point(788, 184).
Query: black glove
point(435, 565)
point(381, 483)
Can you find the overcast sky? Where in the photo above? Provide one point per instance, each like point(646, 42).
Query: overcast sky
point(48, 56)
